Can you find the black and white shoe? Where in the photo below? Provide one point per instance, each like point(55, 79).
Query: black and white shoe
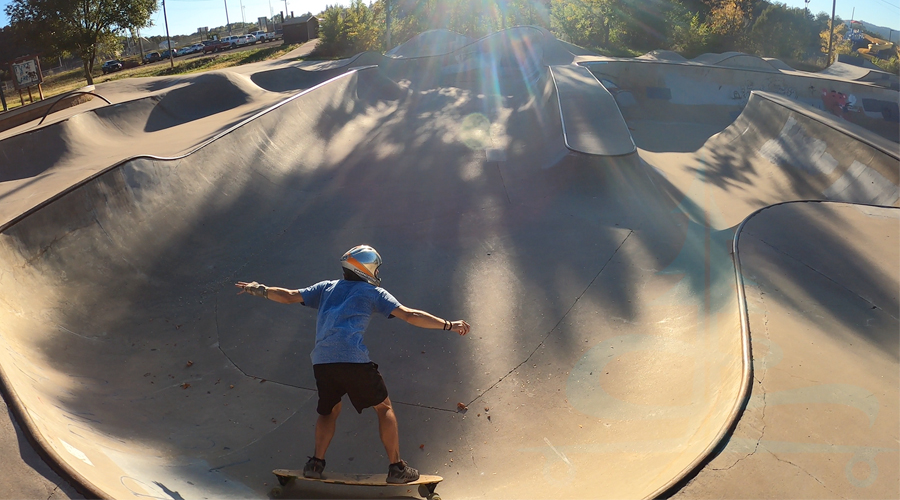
point(314, 468)
point(400, 473)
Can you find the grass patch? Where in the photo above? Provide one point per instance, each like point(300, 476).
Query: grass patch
point(202, 63)
point(68, 81)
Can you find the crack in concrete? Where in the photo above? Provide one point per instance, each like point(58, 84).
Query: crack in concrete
point(503, 183)
point(807, 473)
point(556, 326)
point(760, 381)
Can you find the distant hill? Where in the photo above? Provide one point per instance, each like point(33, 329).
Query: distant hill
point(880, 31)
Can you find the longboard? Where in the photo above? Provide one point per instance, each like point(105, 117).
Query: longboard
point(426, 483)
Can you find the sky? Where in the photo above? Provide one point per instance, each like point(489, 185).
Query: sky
point(185, 16)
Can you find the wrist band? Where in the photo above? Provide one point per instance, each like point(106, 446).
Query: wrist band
point(447, 325)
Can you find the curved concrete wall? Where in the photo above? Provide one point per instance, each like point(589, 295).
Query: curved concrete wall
point(685, 91)
point(606, 355)
point(141, 372)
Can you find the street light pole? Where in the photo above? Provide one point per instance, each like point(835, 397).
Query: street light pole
point(831, 33)
point(388, 14)
point(168, 40)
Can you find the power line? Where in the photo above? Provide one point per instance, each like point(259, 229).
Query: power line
point(890, 4)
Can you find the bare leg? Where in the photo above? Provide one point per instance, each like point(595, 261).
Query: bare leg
point(325, 426)
point(387, 428)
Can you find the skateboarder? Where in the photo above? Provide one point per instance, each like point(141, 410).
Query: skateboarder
point(341, 361)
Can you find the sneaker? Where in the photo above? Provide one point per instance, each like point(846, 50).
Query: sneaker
point(314, 468)
point(400, 473)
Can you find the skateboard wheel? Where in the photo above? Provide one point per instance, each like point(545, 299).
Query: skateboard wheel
point(276, 491)
point(427, 491)
point(283, 480)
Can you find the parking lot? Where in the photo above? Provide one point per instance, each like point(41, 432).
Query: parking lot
point(275, 43)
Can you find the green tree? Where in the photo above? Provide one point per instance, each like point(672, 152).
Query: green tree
point(839, 44)
point(79, 26)
point(587, 23)
point(331, 31)
point(688, 35)
point(642, 24)
point(350, 30)
point(783, 32)
point(730, 22)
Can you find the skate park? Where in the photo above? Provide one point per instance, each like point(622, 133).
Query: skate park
point(681, 275)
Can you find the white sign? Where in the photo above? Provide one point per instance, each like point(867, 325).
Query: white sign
point(26, 73)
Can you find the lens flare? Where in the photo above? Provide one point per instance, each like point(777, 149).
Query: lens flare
point(475, 131)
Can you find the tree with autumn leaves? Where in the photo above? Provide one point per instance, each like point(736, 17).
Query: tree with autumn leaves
point(618, 27)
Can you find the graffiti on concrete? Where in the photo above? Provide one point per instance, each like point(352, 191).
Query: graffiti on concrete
point(774, 85)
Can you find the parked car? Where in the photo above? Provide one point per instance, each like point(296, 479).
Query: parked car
point(197, 47)
point(234, 41)
point(210, 46)
point(165, 54)
point(111, 66)
point(150, 57)
point(269, 36)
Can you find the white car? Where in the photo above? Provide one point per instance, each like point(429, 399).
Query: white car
point(262, 36)
point(235, 40)
point(197, 47)
point(182, 51)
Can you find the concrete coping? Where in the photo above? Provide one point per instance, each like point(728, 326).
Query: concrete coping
point(592, 60)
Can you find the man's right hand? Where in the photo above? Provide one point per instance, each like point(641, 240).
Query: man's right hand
point(253, 288)
point(460, 327)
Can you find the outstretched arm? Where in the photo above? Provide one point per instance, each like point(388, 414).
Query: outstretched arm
point(423, 319)
point(282, 295)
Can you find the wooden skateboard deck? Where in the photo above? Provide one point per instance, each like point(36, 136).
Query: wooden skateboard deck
point(426, 483)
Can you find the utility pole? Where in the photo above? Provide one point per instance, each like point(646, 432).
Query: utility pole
point(388, 14)
point(285, 11)
point(243, 20)
point(140, 46)
point(227, 22)
point(168, 40)
point(831, 33)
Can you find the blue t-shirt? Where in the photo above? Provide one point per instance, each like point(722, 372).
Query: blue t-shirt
point(344, 311)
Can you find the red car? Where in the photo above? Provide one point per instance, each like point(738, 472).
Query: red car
point(215, 46)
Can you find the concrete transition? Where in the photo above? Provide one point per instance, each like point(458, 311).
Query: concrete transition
point(649, 316)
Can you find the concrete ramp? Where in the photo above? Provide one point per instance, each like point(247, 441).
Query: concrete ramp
point(592, 122)
point(609, 356)
point(863, 73)
point(430, 43)
point(128, 356)
point(821, 283)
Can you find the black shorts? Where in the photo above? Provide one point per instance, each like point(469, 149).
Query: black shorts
point(361, 381)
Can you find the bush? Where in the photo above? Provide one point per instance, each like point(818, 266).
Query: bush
point(891, 65)
point(345, 31)
point(687, 35)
